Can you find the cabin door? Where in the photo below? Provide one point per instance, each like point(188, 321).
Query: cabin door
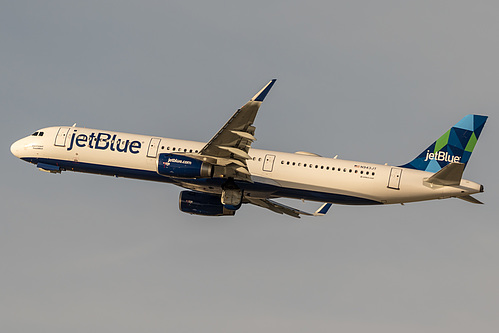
point(62, 134)
point(394, 181)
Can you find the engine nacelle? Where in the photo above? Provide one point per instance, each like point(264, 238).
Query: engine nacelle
point(202, 204)
point(181, 166)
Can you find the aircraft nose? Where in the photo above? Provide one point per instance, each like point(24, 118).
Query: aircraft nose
point(15, 148)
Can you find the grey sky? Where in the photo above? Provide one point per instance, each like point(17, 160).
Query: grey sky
point(372, 81)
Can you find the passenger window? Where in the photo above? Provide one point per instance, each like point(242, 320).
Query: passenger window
point(173, 149)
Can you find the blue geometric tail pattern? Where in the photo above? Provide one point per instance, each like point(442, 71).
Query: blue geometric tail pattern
point(456, 145)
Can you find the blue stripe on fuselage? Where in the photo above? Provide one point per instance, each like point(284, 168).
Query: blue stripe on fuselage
point(106, 170)
point(272, 190)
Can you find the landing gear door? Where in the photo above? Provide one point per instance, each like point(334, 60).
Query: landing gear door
point(394, 180)
point(152, 150)
point(62, 134)
point(268, 163)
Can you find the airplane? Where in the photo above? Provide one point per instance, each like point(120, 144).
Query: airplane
point(223, 174)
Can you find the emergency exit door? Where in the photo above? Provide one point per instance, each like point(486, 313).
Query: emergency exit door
point(152, 150)
point(268, 163)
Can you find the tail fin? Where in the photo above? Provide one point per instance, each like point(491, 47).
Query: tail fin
point(455, 146)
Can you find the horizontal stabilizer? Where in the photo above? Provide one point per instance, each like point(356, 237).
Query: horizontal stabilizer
point(449, 175)
point(469, 198)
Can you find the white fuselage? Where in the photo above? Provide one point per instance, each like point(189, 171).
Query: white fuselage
point(274, 174)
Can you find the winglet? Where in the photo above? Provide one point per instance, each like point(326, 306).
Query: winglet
point(323, 210)
point(260, 96)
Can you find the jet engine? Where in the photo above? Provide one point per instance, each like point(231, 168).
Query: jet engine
point(202, 204)
point(180, 166)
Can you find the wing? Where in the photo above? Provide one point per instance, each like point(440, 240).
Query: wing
point(228, 149)
point(283, 209)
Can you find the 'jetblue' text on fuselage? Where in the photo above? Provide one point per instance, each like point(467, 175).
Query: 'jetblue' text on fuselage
point(104, 141)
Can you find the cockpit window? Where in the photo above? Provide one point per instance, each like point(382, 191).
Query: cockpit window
point(34, 134)
point(40, 133)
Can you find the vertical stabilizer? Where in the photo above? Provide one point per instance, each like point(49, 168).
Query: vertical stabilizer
point(455, 146)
